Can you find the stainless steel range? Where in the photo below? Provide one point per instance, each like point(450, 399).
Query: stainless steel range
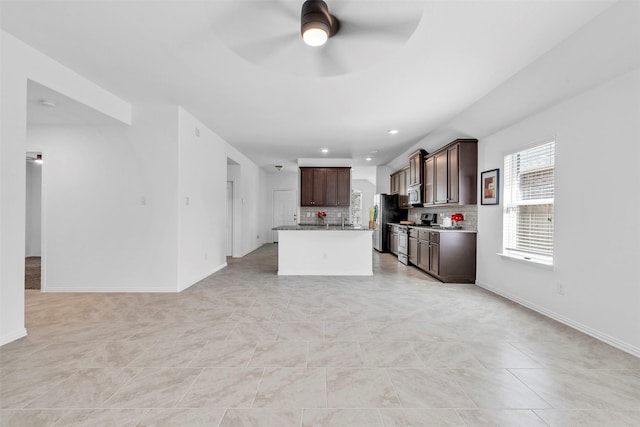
point(403, 244)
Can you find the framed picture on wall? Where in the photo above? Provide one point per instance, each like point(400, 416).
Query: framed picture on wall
point(490, 187)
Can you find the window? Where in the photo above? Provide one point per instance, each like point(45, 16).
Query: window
point(528, 203)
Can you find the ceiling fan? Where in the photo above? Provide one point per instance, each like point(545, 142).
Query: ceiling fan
point(317, 23)
point(361, 32)
point(32, 157)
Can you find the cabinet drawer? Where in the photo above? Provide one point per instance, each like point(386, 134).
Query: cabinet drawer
point(413, 232)
point(424, 235)
point(434, 237)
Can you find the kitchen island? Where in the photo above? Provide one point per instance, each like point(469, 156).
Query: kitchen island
point(324, 251)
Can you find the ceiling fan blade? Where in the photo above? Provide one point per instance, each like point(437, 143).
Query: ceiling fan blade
point(375, 32)
point(289, 8)
point(329, 62)
point(261, 50)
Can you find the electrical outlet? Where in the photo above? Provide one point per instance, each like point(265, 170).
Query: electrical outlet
point(560, 288)
point(308, 214)
point(258, 236)
point(187, 201)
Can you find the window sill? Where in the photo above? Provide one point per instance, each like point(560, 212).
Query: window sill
point(531, 261)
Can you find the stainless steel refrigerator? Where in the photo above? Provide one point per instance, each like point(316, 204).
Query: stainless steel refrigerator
point(388, 211)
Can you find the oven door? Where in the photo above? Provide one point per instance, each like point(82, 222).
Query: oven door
point(403, 248)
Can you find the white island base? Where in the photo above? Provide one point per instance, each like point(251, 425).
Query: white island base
point(325, 252)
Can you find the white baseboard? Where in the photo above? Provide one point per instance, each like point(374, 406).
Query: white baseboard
point(194, 281)
point(615, 342)
point(109, 289)
point(6, 339)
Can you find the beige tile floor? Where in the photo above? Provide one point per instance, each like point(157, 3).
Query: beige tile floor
point(245, 347)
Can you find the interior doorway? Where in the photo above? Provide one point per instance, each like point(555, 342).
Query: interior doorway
point(33, 222)
point(285, 209)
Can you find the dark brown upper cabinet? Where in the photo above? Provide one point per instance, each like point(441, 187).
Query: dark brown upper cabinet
point(403, 198)
point(325, 186)
point(394, 184)
point(416, 165)
point(451, 174)
point(429, 177)
point(344, 187)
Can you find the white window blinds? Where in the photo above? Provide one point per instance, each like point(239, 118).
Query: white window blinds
point(528, 203)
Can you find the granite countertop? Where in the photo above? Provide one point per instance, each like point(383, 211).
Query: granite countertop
point(315, 227)
point(437, 228)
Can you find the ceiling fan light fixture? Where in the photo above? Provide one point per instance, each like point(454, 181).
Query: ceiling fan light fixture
point(317, 24)
point(38, 159)
point(314, 36)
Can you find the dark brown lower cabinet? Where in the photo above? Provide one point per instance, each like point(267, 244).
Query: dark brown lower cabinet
point(392, 239)
point(413, 250)
point(423, 255)
point(449, 256)
point(434, 258)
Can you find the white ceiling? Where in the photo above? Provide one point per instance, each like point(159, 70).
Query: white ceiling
point(241, 66)
point(48, 107)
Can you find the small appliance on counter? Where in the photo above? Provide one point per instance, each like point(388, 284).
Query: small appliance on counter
point(457, 218)
point(428, 219)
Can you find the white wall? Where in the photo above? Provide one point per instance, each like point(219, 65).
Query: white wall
point(383, 180)
point(202, 201)
point(368, 190)
point(20, 63)
point(33, 246)
point(597, 181)
point(109, 204)
point(113, 195)
point(250, 217)
point(584, 92)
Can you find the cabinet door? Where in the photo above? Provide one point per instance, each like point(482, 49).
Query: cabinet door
point(403, 198)
point(331, 194)
point(392, 184)
point(423, 255)
point(429, 189)
point(440, 175)
point(414, 169)
point(453, 171)
point(344, 187)
point(394, 244)
point(319, 186)
point(413, 250)
point(434, 258)
point(306, 187)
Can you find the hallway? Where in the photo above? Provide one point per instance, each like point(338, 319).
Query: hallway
point(246, 347)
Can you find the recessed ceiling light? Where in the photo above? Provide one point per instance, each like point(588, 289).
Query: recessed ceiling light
point(368, 159)
point(393, 131)
point(325, 150)
point(47, 103)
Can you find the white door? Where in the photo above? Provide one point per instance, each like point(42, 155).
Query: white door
point(285, 209)
point(229, 218)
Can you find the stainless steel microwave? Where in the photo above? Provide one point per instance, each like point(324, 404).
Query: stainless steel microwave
point(414, 194)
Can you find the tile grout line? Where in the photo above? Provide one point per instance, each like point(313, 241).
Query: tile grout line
point(184, 394)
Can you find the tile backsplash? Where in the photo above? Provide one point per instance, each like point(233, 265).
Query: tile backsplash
point(470, 213)
point(334, 215)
